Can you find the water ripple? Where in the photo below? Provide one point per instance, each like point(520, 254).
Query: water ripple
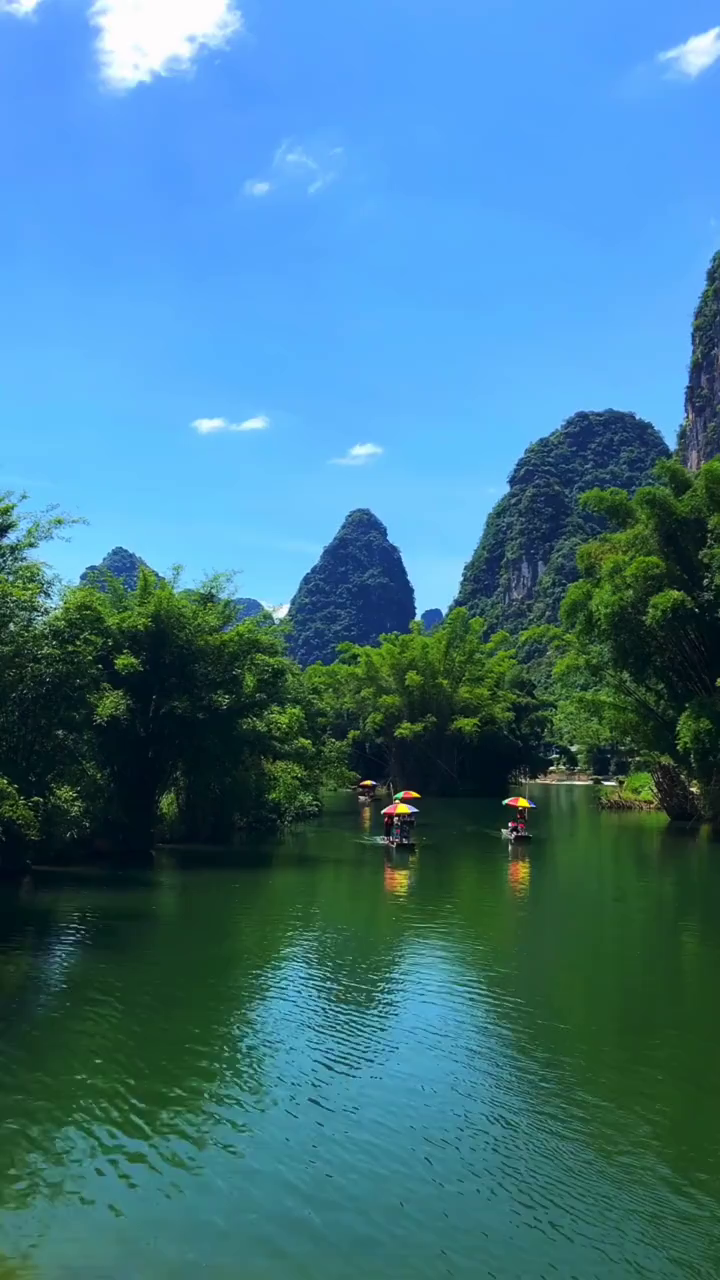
point(294, 1067)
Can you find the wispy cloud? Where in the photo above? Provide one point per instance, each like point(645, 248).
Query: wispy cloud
point(257, 189)
point(140, 39)
point(696, 55)
point(305, 167)
point(359, 456)
point(208, 426)
point(19, 8)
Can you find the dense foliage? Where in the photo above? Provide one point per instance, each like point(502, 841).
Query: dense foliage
point(699, 438)
point(445, 712)
point(358, 591)
point(125, 567)
point(642, 661)
point(527, 555)
point(125, 715)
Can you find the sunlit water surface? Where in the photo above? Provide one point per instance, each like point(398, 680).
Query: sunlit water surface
point(311, 1064)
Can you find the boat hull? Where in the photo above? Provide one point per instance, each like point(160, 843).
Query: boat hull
point(515, 837)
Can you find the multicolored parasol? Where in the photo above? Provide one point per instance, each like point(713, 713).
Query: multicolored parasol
point(399, 810)
point(519, 802)
point(367, 783)
point(407, 795)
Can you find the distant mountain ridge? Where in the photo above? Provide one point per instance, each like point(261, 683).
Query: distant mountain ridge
point(125, 566)
point(526, 557)
point(118, 563)
point(432, 618)
point(358, 590)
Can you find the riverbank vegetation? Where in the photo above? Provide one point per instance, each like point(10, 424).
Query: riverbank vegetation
point(640, 638)
point(129, 716)
point(449, 710)
point(636, 792)
point(132, 716)
point(126, 716)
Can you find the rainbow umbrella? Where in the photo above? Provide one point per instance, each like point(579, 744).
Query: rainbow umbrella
point(519, 802)
point(399, 810)
point(367, 783)
point(407, 795)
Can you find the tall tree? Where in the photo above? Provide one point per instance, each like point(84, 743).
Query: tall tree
point(644, 621)
point(445, 711)
point(184, 700)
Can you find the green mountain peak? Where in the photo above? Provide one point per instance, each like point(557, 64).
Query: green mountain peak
point(525, 559)
point(357, 591)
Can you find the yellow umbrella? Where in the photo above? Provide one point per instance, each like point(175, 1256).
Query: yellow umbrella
point(367, 783)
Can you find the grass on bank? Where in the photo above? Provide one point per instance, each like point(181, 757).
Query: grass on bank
point(635, 792)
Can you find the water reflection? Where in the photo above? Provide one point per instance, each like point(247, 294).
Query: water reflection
point(330, 1065)
point(519, 872)
point(400, 872)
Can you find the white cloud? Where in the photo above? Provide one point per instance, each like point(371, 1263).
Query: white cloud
point(139, 39)
point(306, 167)
point(278, 611)
point(359, 455)
point(19, 8)
point(207, 426)
point(204, 426)
point(696, 55)
point(257, 189)
point(261, 423)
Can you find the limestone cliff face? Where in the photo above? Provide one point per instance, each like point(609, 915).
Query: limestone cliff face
point(699, 438)
point(526, 557)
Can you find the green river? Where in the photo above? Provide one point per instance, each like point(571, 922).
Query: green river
point(308, 1064)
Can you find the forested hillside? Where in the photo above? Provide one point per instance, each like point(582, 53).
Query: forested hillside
point(526, 557)
point(357, 591)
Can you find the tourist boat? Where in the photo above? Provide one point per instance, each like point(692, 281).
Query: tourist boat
point(366, 791)
point(515, 837)
point(400, 839)
point(518, 803)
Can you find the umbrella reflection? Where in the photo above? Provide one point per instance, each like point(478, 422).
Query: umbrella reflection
point(400, 872)
point(519, 870)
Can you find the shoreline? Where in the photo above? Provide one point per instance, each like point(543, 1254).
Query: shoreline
point(563, 782)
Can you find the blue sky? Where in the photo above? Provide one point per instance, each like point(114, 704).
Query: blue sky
point(435, 227)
